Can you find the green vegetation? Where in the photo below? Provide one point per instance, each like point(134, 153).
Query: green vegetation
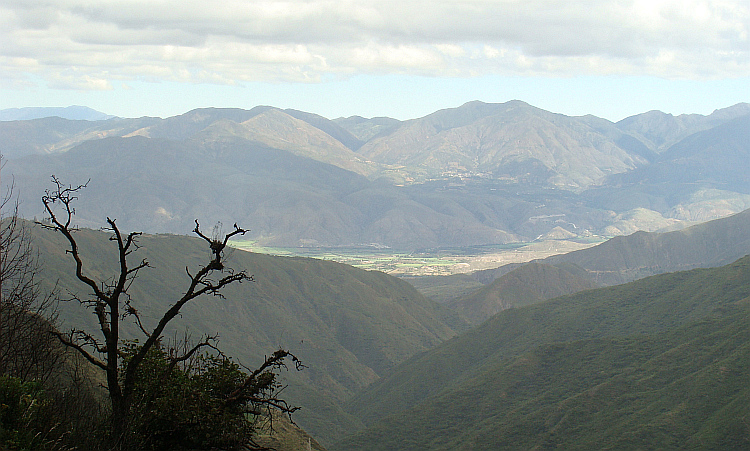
point(680, 390)
point(347, 325)
point(160, 396)
point(657, 363)
point(197, 404)
point(438, 261)
point(22, 409)
point(528, 284)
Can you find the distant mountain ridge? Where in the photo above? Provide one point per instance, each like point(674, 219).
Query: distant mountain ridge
point(70, 112)
point(479, 174)
point(660, 130)
point(479, 138)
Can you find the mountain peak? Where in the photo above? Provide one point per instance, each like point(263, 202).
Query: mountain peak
point(73, 112)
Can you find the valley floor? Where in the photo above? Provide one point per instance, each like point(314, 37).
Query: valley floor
point(431, 262)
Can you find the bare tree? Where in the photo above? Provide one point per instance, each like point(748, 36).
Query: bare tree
point(27, 348)
point(111, 303)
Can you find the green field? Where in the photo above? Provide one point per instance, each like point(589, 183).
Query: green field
point(444, 261)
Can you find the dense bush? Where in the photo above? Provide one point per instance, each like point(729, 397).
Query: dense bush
point(206, 402)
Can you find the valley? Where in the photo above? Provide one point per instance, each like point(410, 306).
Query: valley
point(429, 262)
point(483, 276)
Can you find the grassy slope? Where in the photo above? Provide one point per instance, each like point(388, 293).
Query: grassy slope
point(531, 283)
point(347, 325)
point(669, 348)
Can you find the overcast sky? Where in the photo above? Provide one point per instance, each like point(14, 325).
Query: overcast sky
point(402, 58)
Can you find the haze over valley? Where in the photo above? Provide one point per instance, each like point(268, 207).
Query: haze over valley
point(456, 203)
point(368, 225)
point(475, 175)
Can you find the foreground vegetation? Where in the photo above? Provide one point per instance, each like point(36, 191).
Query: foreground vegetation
point(158, 394)
point(347, 326)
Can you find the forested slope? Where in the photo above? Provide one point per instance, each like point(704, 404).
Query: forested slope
point(657, 363)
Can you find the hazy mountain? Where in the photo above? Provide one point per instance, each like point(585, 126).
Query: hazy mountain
point(348, 326)
point(332, 128)
point(512, 141)
point(659, 131)
point(54, 134)
point(642, 254)
point(71, 112)
point(279, 130)
point(495, 174)
point(302, 133)
point(159, 185)
point(713, 157)
point(525, 285)
point(366, 129)
point(710, 161)
point(658, 362)
point(622, 139)
point(21, 138)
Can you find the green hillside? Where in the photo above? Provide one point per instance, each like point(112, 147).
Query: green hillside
point(642, 254)
point(660, 362)
point(348, 326)
point(530, 283)
point(626, 258)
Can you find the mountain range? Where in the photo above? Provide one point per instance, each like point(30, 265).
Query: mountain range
point(553, 359)
point(75, 112)
point(375, 347)
point(479, 174)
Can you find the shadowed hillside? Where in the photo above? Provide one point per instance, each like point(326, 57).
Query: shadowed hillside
point(661, 362)
point(348, 326)
point(528, 284)
point(627, 258)
point(642, 254)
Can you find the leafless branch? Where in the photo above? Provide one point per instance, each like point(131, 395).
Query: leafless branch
point(72, 344)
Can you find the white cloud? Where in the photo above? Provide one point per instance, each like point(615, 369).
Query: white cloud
point(73, 80)
point(452, 50)
point(491, 52)
point(236, 40)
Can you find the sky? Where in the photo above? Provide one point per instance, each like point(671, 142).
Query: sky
point(402, 59)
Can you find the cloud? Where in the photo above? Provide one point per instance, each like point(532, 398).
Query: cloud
point(236, 40)
point(73, 80)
